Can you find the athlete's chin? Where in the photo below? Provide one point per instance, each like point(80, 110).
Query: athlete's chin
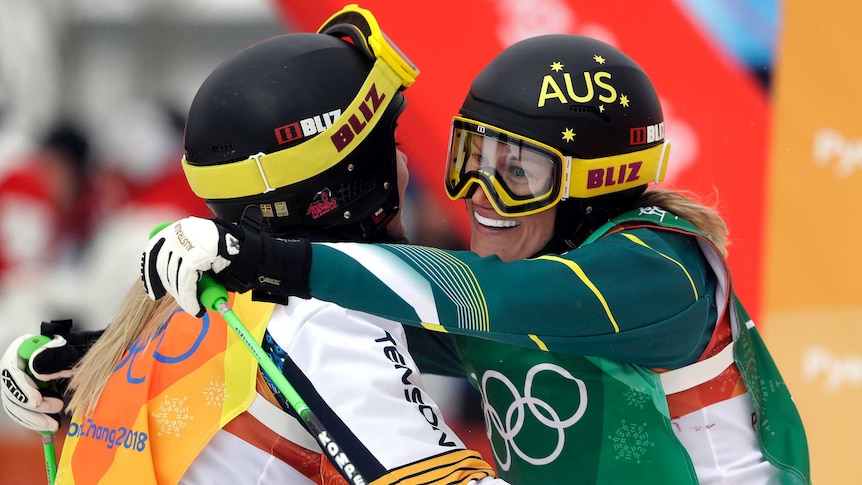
point(485, 245)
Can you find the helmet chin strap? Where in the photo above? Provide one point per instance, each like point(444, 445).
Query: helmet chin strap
point(578, 218)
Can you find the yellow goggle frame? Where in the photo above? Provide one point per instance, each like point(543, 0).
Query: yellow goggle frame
point(372, 38)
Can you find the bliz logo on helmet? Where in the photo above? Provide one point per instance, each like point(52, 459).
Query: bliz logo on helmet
point(646, 134)
point(604, 177)
point(306, 127)
point(594, 85)
point(354, 126)
point(322, 204)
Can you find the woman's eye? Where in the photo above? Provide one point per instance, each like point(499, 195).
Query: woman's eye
point(517, 171)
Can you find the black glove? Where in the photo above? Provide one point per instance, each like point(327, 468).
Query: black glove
point(53, 362)
point(274, 269)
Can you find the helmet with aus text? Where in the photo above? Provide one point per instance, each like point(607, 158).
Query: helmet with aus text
point(584, 120)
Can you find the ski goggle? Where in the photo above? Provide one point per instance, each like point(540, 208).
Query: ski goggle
point(261, 173)
point(522, 176)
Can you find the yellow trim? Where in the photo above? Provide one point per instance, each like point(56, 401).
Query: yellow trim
point(263, 173)
point(637, 240)
point(535, 338)
point(583, 276)
point(652, 169)
point(379, 45)
point(435, 327)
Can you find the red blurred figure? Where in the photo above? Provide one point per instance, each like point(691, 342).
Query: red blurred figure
point(41, 210)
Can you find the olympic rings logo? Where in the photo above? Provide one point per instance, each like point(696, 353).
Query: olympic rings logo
point(513, 423)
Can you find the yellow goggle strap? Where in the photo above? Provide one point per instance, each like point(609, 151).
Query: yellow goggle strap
point(262, 173)
point(585, 178)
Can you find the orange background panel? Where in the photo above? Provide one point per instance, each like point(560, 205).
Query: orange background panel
point(813, 264)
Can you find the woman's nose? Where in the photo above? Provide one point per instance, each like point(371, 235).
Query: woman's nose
point(479, 197)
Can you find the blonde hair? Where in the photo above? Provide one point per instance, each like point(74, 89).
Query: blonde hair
point(138, 315)
point(690, 207)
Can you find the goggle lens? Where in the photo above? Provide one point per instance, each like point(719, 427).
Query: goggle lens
point(519, 175)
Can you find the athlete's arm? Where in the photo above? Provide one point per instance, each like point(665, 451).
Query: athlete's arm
point(632, 292)
point(643, 293)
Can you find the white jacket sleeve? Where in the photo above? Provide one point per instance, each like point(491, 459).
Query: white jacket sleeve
point(355, 372)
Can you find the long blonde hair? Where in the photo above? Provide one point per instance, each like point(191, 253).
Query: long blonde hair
point(138, 315)
point(690, 207)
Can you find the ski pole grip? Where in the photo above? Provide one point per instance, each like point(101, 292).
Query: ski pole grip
point(211, 293)
point(25, 351)
point(159, 228)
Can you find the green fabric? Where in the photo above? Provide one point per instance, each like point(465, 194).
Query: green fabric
point(562, 419)
point(779, 426)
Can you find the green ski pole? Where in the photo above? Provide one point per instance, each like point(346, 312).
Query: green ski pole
point(214, 297)
point(25, 351)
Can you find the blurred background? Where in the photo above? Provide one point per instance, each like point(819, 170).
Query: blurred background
point(760, 98)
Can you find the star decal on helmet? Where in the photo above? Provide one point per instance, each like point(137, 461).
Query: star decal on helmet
point(568, 135)
point(556, 66)
point(599, 59)
point(624, 100)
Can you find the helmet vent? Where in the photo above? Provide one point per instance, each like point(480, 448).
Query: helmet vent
point(222, 148)
point(591, 110)
point(355, 189)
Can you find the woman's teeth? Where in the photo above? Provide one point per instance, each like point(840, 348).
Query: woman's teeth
point(499, 223)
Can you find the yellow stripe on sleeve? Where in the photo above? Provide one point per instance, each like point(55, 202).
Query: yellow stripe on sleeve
point(434, 327)
point(637, 240)
point(535, 338)
point(583, 276)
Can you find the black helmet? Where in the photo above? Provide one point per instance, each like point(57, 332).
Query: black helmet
point(301, 125)
point(583, 108)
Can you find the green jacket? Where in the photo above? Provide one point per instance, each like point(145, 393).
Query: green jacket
point(561, 346)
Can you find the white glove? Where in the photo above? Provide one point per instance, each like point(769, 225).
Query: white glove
point(177, 256)
point(22, 399)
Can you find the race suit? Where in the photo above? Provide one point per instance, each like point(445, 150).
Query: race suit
point(626, 360)
point(182, 408)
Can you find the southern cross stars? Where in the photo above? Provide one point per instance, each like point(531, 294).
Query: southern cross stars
point(624, 100)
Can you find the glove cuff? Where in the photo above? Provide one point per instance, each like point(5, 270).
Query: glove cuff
point(274, 269)
point(241, 275)
point(284, 270)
